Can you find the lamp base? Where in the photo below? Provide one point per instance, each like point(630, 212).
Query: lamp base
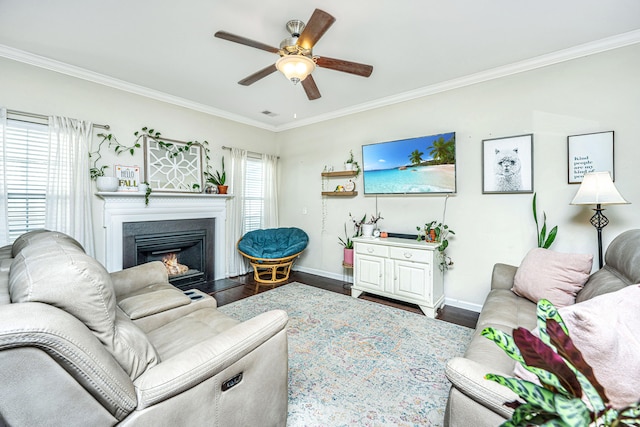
point(599, 221)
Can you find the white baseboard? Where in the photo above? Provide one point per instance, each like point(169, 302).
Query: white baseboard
point(349, 278)
point(343, 278)
point(463, 304)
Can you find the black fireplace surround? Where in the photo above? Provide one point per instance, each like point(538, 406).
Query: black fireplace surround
point(190, 240)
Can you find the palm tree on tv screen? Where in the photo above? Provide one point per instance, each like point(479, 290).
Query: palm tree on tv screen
point(416, 157)
point(443, 152)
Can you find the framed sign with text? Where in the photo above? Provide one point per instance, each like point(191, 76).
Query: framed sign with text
point(128, 177)
point(592, 152)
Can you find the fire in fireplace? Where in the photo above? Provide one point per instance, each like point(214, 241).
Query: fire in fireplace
point(186, 247)
point(174, 268)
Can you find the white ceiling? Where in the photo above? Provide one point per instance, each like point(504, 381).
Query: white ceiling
point(166, 50)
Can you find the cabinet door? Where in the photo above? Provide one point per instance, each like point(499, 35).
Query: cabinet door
point(412, 280)
point(369, 272)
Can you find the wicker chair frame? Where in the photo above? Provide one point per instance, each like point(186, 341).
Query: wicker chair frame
point(270, 271)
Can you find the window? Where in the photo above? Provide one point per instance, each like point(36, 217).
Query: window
point(254, 194)
point(26, 156)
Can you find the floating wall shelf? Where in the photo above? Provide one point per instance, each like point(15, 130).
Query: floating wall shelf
point(340, 193)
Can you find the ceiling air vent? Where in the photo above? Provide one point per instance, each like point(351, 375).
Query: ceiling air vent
point(269, 113)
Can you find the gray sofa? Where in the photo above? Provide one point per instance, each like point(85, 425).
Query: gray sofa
point(82, 347)
point(474, 401)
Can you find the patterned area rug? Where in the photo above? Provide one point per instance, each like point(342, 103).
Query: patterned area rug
point(355, 362)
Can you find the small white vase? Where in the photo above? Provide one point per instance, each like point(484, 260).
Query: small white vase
point(142, 188)
point(107, 183)
point(367, 230)
point(348, 166)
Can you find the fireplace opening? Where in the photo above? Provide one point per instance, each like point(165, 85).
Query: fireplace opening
point(185, 247)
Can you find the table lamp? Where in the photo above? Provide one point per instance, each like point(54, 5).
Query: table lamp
point(597, 188)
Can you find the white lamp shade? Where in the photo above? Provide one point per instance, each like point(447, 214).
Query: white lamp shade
point(295, 67)
point(597, 188)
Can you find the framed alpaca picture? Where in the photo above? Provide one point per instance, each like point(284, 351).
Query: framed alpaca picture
point(507, 165)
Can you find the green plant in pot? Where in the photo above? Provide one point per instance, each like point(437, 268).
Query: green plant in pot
point(112, 142)
point(437, 232)
point(218, 179)
point(364, 227)
point(544, 240)
point(347, 244)
point(352, 164)
point(568, 393)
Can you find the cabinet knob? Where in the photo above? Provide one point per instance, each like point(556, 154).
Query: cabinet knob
point(408, 254)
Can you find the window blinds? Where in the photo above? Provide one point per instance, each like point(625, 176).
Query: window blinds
point(26, 153)
point(254, 194)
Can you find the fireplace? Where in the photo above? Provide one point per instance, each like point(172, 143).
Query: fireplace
point(185, 246)
point(123, 207)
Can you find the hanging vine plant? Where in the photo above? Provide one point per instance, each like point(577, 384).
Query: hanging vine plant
point(151, 133)
point(95, 171)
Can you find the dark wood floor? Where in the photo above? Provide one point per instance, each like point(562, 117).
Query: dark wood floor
point(227, 291)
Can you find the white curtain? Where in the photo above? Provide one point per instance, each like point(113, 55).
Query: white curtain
point(4, 229)
point(236, 264)
point(69, 186)
point(270, 190)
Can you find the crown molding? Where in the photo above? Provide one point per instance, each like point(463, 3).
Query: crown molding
point(92, 76)
point(564, 55)
point(609, 43)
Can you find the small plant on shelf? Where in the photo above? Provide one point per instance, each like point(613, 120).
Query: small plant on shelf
point(352, 164)
point(218, 178)
point(437, 232)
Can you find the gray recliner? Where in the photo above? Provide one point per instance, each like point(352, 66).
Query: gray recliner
point(80, 346)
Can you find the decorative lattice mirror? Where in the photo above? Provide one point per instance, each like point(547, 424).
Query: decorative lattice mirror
point(176, 168)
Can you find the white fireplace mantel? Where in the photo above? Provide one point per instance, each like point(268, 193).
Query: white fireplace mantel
point(122, 207)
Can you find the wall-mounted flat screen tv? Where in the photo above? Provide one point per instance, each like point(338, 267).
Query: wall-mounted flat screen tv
point(423, 165)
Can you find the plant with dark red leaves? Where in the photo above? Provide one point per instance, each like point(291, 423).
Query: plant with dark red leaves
point(569, 395)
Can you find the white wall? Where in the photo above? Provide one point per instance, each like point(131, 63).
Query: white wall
point(27, 88)
point(591, 94)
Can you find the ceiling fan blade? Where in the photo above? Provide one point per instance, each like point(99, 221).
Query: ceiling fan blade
point(363, 70)
point(258, 75)
point(245, 41)
point(318, 24)
point(311, 88)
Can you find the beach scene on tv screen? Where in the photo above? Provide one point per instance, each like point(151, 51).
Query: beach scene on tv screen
point(425, 164)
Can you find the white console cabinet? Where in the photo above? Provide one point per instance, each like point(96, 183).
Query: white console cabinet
point(401, 269)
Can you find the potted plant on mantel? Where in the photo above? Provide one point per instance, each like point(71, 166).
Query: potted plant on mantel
point(103, 182)
point(218, 179)
point(437, 232)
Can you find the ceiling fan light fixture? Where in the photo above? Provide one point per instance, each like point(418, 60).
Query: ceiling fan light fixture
point(295, 67)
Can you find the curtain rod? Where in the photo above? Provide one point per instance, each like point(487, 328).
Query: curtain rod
point(252, 152)
point(43, 117)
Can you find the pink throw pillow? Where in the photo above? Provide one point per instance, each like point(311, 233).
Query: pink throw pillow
point(552, 275)
point(606, 330)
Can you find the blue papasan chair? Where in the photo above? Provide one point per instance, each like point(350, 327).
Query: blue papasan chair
point(271, 252)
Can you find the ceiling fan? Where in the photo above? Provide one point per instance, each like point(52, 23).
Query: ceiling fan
point(297, 61)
